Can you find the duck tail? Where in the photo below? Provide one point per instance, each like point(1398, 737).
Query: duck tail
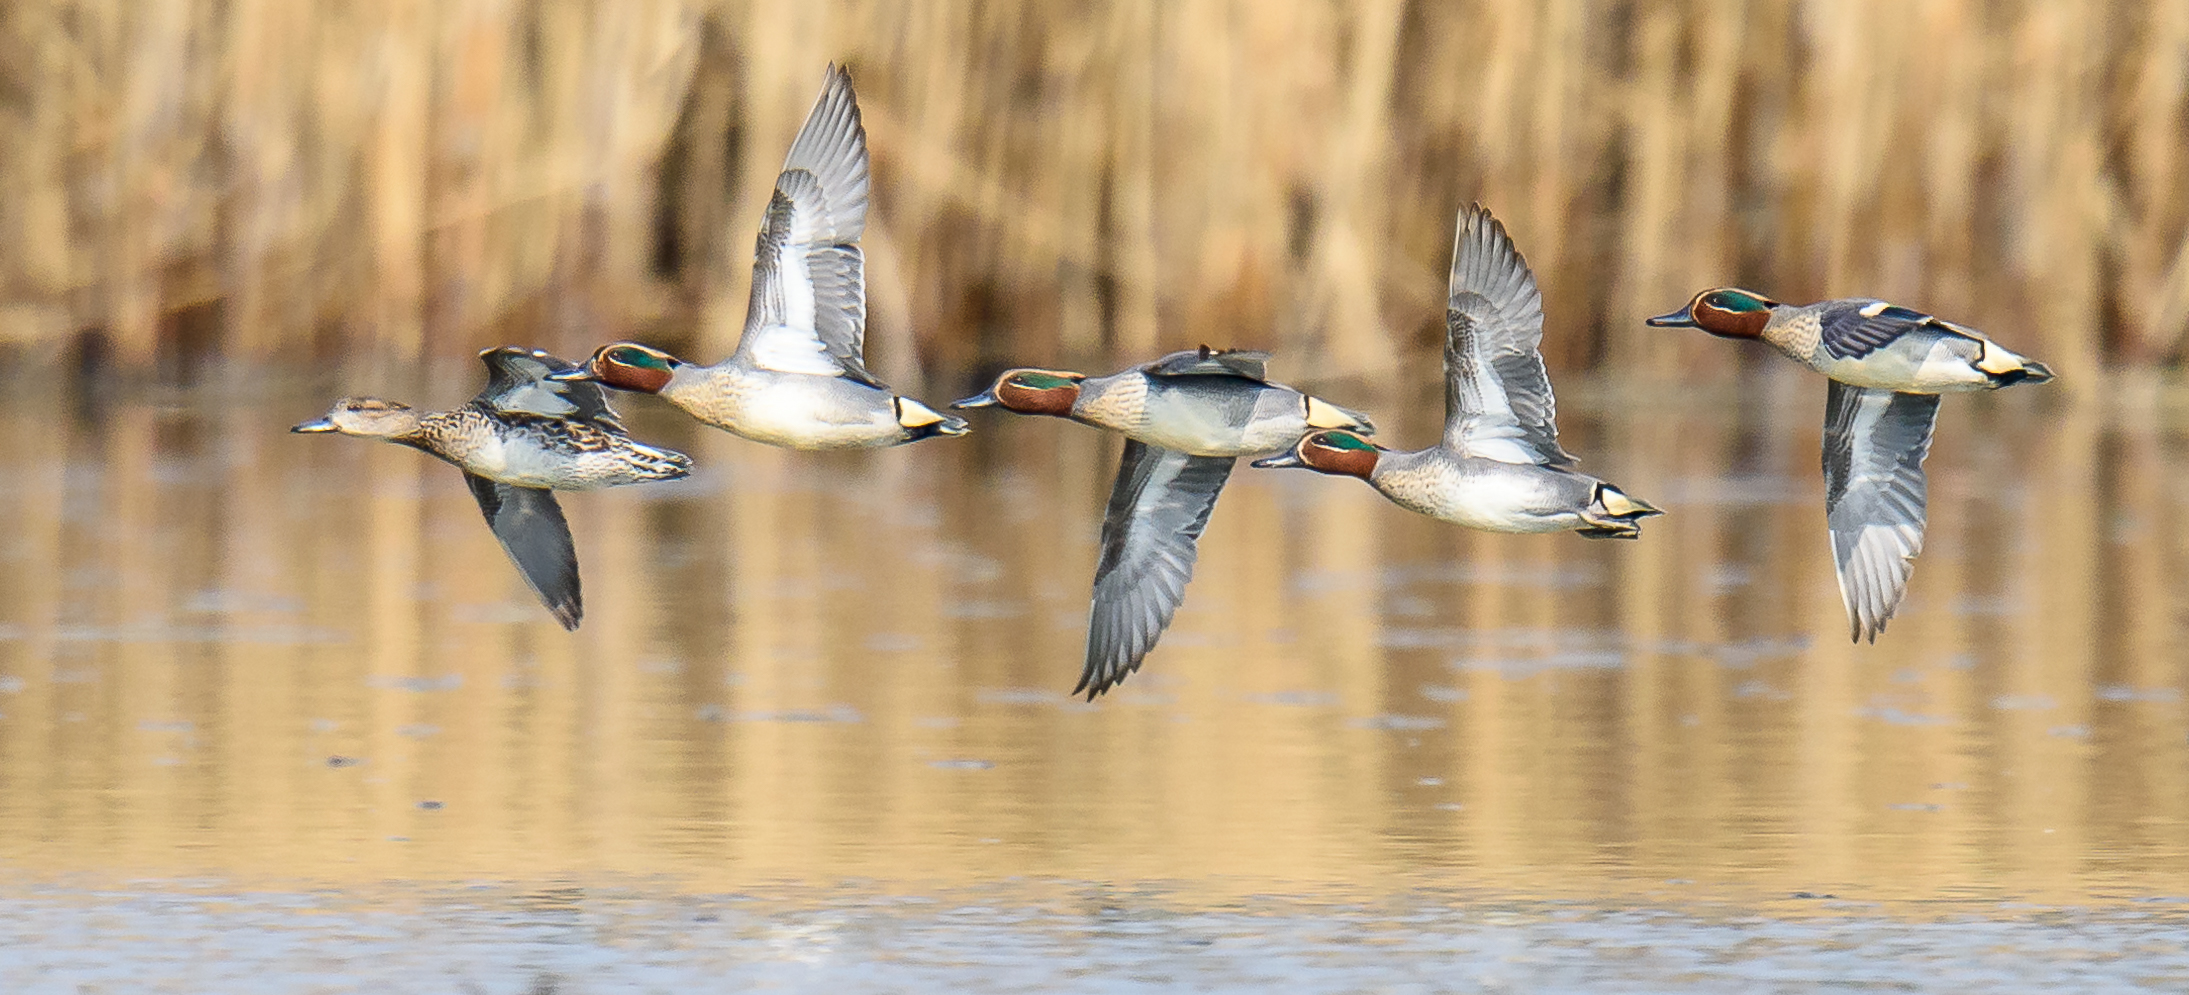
point(1323, 414)
point(2005, 368)
point(2030, 372)
point(1612, 514)
point(656, 463)
point(922, 422)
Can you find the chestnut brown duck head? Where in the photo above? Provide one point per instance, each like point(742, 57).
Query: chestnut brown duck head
point(1727, 312)
point(1336, 452)
point(626, 366)
point(1030, 392)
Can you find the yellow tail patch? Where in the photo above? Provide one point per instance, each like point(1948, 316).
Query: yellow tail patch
point(1997, 361)
point(1323, 414)
point(913, 414)
point(1622, 506)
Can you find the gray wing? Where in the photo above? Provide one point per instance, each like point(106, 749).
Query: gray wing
point(1248, 363)
point(1158, 507)
point(808, 308)
point(1874, 496)
point(1854, 328)
point(1497, 395)
point(516, 382)
point(532, 531)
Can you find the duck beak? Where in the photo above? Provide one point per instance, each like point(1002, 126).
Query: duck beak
point(1279, 461)
point(1682, 318)
point(984, 399)
point(315, 425)
point(583, 374)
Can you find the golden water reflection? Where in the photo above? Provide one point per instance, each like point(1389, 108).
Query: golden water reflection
point(230, 650)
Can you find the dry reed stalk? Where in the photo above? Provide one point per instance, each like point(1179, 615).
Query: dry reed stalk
point(301, 180)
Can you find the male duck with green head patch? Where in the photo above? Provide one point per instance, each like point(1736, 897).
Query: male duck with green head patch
point(1499, 467)
point(1887, 366)
point(1186, 418)
point(799, 378)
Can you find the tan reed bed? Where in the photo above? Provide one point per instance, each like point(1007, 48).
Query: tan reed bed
point(303, 179)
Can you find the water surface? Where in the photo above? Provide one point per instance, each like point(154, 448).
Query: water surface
point(815, 733)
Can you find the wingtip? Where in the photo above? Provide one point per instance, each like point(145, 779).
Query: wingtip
point(1862, 629)
point(1088, 684)
point(1475, 217)
point(1104, 671)
point(568, 614)
point(836, 87)
point(1485, 259)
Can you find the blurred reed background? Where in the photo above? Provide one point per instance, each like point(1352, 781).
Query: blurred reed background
point(224, 647)
point(309, 180)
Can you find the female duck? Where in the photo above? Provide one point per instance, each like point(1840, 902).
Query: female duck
point(1186, 418)
point(1499, 468)
point(1888, 365)
point(799, 377)
point(522, 438)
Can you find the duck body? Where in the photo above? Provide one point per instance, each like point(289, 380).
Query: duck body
point(798, 378)
point(1186, 419)
point(521, 439)
point(1863, 342)
point(801, 410)
point(1499, 467)
point(1887, 366)
point(1191, 402)
point(1494, 496)
point(530, 450)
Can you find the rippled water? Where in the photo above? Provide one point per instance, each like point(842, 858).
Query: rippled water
point(276, 715)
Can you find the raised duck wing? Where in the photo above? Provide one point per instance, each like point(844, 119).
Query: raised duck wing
point(1247, 363)
point(1874, 496)
point(1497, 395)
point(1150, 535)
point(532, 531)
point(516, 381)
point(808, 308)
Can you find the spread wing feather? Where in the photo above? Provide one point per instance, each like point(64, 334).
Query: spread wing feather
point(1150, 535)
point(532, 531)
point(516, 382)
point(1497, 396)
point(808, 307)
point(1875, 496)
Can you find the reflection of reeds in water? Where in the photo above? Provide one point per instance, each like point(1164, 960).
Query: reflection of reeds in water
point(312, 178)
point(793, 667)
